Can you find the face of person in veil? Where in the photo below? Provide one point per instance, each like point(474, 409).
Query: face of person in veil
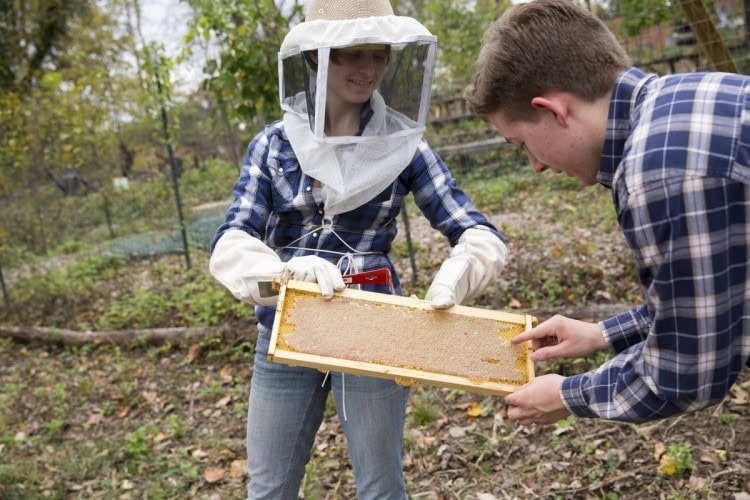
point(354, 73)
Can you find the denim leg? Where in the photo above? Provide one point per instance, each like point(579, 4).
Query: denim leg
point(372, 412)
point(285, 411)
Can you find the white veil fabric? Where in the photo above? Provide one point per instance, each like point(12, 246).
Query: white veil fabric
point(354, 169)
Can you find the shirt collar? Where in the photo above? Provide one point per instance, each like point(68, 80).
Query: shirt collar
point(625, 95)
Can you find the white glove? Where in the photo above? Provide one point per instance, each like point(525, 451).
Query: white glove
point(474, 263)
point(316, 269)
point(240, 262)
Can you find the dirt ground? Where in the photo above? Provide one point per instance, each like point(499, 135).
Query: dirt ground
point(168, 422)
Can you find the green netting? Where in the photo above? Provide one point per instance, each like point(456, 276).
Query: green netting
point(200, 234)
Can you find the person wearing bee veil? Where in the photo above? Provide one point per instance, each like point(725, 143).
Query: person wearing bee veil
point(318, 195)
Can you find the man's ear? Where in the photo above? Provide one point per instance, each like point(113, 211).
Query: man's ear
point(555, 105)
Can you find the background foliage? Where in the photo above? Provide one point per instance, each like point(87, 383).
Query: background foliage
point(80, 109)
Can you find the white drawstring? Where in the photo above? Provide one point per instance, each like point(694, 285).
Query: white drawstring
point(343, 395)
point(343, 391)
point(351, 267)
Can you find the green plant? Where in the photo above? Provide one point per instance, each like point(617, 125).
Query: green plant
point(311, 482)
point(53, 429)
point(681, 457)
point(567, 423)
point(422, 411)
point(138, 443)
point(330, 409)
point(727, 418)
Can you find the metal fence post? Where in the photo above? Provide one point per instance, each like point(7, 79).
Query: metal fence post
point(173, 169)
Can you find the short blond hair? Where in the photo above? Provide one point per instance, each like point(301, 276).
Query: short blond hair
point(541, 46)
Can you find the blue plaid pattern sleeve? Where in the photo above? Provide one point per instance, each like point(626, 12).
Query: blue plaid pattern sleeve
point(676, 156)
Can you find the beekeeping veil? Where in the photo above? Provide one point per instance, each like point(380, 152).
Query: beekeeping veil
point(354, 169)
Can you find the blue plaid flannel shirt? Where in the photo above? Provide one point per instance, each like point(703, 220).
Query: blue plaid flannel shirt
point(676, 156)
point(277, 203)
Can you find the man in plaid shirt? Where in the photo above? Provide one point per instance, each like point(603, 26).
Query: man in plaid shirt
point(675, 152)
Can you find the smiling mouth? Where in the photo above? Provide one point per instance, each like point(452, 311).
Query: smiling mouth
point(361, 83)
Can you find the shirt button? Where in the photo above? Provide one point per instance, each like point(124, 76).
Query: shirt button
point(308, 189)
point(315, 235)
point(281, 170)
point(320, 212)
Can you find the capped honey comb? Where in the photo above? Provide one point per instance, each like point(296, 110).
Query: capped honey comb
point(400, 338)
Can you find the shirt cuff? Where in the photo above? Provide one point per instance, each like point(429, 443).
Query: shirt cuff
point(574, 397)
point(625, 330)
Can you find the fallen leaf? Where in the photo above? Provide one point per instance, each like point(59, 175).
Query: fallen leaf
point(475, 410)
point(213, 475)
point(163, 436)
point(741, 397)
point(223, 402)
point(149, 396)
point(238, 469)
point(514, 304)
point(95, 418)
point(123, 412)
point(667, 465)
point(199, 454)
point(193, 353)
point(708, 457)
point(425, 442)
point(440, 423)
point(696, 483)
point(126, 485)
point(659, 450)
point(225, 374)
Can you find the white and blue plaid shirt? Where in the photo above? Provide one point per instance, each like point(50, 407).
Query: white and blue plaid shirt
point(277, 203)
point(677, 157)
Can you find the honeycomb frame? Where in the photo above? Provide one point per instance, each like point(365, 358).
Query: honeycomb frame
point(400, 338)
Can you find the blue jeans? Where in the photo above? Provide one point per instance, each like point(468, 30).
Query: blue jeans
point(286, 410)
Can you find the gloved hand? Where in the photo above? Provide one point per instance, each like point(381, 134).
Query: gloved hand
point(240, 262)
point(316, 269)
point(474, 263)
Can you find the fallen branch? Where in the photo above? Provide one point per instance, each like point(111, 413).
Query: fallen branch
point(158, 336)
point(154, 336)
